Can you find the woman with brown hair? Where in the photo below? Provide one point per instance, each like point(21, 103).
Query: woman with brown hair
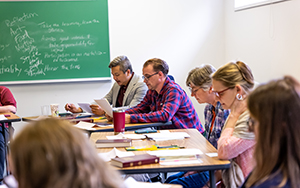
point(274, 109)
point(52, 153)
point(231, 84)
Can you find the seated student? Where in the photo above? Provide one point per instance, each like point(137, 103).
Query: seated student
point(231, 84)
point(51, 153)
point(7, 104)
point(274, 116)
point(200, 83)
point(165, 100)
point(128, 90)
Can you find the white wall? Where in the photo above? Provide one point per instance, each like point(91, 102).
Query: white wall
point(267, 38)
point(185, 33)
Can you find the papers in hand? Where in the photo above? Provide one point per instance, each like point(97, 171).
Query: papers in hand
point(88, 126)
point(104, 104)
point(85, 107)
point(114, 153)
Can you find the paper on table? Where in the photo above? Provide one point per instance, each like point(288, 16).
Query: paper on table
point(177, 152)
point(88, 126)
point(212, 154)
point(181, 162)
point(2, 117)
point(85, 107)
point(129, 136)
point(168, 136)
point(114, 153)
point(104, 104)
point(132, 183)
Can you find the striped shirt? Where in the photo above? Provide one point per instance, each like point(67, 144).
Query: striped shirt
point(170, 104)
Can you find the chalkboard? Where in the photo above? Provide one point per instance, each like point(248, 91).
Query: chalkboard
point(53, 41)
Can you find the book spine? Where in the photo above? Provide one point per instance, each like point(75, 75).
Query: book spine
point(139, 163)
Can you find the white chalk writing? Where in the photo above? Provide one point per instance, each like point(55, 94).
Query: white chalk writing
point(16, 20)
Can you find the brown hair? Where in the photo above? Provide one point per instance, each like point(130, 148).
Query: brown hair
point(276, 106)
point(158, 65)
point(52, 153)
point(232, 74)
point(201, 76)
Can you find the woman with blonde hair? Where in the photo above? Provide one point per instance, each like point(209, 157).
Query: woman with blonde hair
point(51, 153)
point(231, 84)
point(274, 108)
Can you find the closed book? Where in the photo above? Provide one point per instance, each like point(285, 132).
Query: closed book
point(136, 160)
point(105, 143)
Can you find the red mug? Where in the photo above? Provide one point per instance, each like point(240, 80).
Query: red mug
point(119, 121)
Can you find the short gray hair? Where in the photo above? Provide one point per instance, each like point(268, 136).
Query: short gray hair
point(201, 76)
point(121, 61)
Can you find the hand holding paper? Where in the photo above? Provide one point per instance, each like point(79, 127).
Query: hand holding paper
point(104, 104)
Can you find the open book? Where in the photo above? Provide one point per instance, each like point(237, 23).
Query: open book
point(104, 104)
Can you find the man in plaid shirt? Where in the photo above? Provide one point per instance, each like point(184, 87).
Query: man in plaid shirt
point(164, 101)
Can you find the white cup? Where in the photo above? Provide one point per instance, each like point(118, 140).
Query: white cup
point(54, 110)
point(45, 110)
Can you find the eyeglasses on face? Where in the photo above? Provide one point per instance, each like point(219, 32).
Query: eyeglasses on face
point(194, 90)
point(250, 124)
point(147, 77)
point(219, 93)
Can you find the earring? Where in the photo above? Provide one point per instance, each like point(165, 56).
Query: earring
point(239, 97)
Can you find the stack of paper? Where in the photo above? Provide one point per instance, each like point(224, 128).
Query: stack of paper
point(166, 135)
point(89, 126)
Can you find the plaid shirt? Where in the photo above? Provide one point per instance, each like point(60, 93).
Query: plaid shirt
point(221, 116)
point(171, 104)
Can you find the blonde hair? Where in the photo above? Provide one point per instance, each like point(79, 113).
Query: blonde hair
point(201, 76)
point(276, 107)
point(52, 153)
point(234, 73)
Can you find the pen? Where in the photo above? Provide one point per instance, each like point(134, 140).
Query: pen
point(6, 115)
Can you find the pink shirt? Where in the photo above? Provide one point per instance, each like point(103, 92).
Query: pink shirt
point(230, 147)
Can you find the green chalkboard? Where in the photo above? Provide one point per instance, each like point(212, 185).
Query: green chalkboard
point(52, 41)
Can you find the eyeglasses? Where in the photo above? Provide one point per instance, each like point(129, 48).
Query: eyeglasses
point(195, 90)
point(250, 124)
point(148, 77)
point(219, 93)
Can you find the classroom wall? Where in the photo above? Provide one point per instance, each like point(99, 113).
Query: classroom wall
point(184, 33)
point(267, 38)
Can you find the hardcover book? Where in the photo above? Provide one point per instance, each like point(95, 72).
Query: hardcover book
point(136, 160)
point(105, 143)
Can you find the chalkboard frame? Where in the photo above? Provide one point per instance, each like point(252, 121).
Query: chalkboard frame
point(104, 65)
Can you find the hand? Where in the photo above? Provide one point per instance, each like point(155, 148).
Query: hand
point(97, 110)
point(8, 108)
point(72, 108)
point(108, 117)
point(127, 118)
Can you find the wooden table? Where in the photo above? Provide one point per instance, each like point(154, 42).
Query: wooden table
point(129, 126)
point(196, 140)
point(11, 117)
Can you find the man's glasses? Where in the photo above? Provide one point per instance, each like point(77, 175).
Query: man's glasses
point(147, 77)
point(219, 93)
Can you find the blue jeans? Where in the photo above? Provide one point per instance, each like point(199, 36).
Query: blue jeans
point(192, 181)
point(2, 149)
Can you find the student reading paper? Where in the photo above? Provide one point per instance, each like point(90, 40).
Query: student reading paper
point(128, 90)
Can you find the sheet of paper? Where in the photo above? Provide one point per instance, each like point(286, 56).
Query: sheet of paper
point(168, 136)
point(85, 125)
point(104, 104)
point(177, 152)
point(2, 117)
point(114, 153)
point(132, 183)
point(129, 136)
point(85, 107)
point(181, 162)
point(212, 154)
